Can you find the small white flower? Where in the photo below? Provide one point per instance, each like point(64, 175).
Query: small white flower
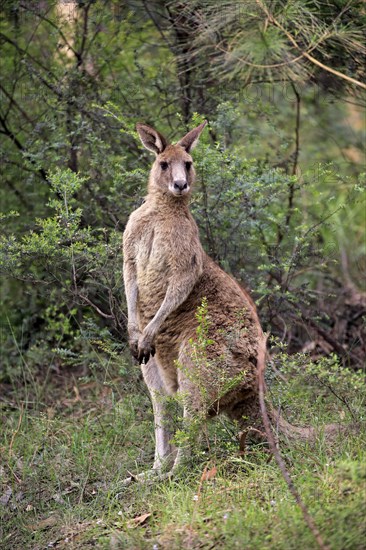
point(120, 513)
point(195, 497)
point(225, 516)
point(155, 547)
point(273, 503)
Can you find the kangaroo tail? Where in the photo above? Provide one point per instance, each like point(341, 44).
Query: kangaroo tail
point(305, 433)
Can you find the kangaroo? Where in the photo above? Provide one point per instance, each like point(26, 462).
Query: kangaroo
point(167, 277)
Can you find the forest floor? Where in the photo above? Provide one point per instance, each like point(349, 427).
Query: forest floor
point(68, 441)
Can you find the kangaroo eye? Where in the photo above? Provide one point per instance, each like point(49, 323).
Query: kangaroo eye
point(164, 165)
point(188, 165)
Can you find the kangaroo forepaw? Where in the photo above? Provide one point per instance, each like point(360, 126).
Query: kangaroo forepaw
point(145, 349)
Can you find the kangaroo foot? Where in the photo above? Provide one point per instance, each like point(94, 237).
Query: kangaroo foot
point(158, 474)
point(148, 477)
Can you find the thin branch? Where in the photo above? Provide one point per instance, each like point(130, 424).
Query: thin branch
point(274, 448)
point(297, 135)
point(321, 39)
point(94, 306)
point(26, 53)
point(18, 193)
point(50, 22)
point(276, 23)
point(17, 143)
point(269, 66)
point(341, 399)
point(300, 243)
point(153, 19)
point(12, 101)
point(79, 54)
point(291, 194)
point(325, 335)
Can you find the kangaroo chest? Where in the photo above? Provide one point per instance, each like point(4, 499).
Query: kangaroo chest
point(154, 251)
point(154, 260)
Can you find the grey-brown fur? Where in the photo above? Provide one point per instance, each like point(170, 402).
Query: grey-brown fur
point(167, 274)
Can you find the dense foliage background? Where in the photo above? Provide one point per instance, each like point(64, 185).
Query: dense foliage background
point(279, 200)
point(280, 195)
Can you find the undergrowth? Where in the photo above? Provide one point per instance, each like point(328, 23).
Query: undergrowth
point(63, 460)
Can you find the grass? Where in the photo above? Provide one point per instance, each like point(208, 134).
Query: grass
point(65, 453)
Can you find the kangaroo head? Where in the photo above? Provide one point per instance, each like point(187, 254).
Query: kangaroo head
point(172, 171)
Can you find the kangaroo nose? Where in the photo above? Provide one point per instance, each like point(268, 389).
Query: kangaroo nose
point(180, 184)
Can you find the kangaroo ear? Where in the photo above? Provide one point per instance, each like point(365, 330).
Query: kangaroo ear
point(151, 139)
point(189, 141)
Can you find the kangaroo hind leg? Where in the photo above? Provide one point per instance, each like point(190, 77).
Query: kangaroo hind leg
point(164, 450)
point(194, 414)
